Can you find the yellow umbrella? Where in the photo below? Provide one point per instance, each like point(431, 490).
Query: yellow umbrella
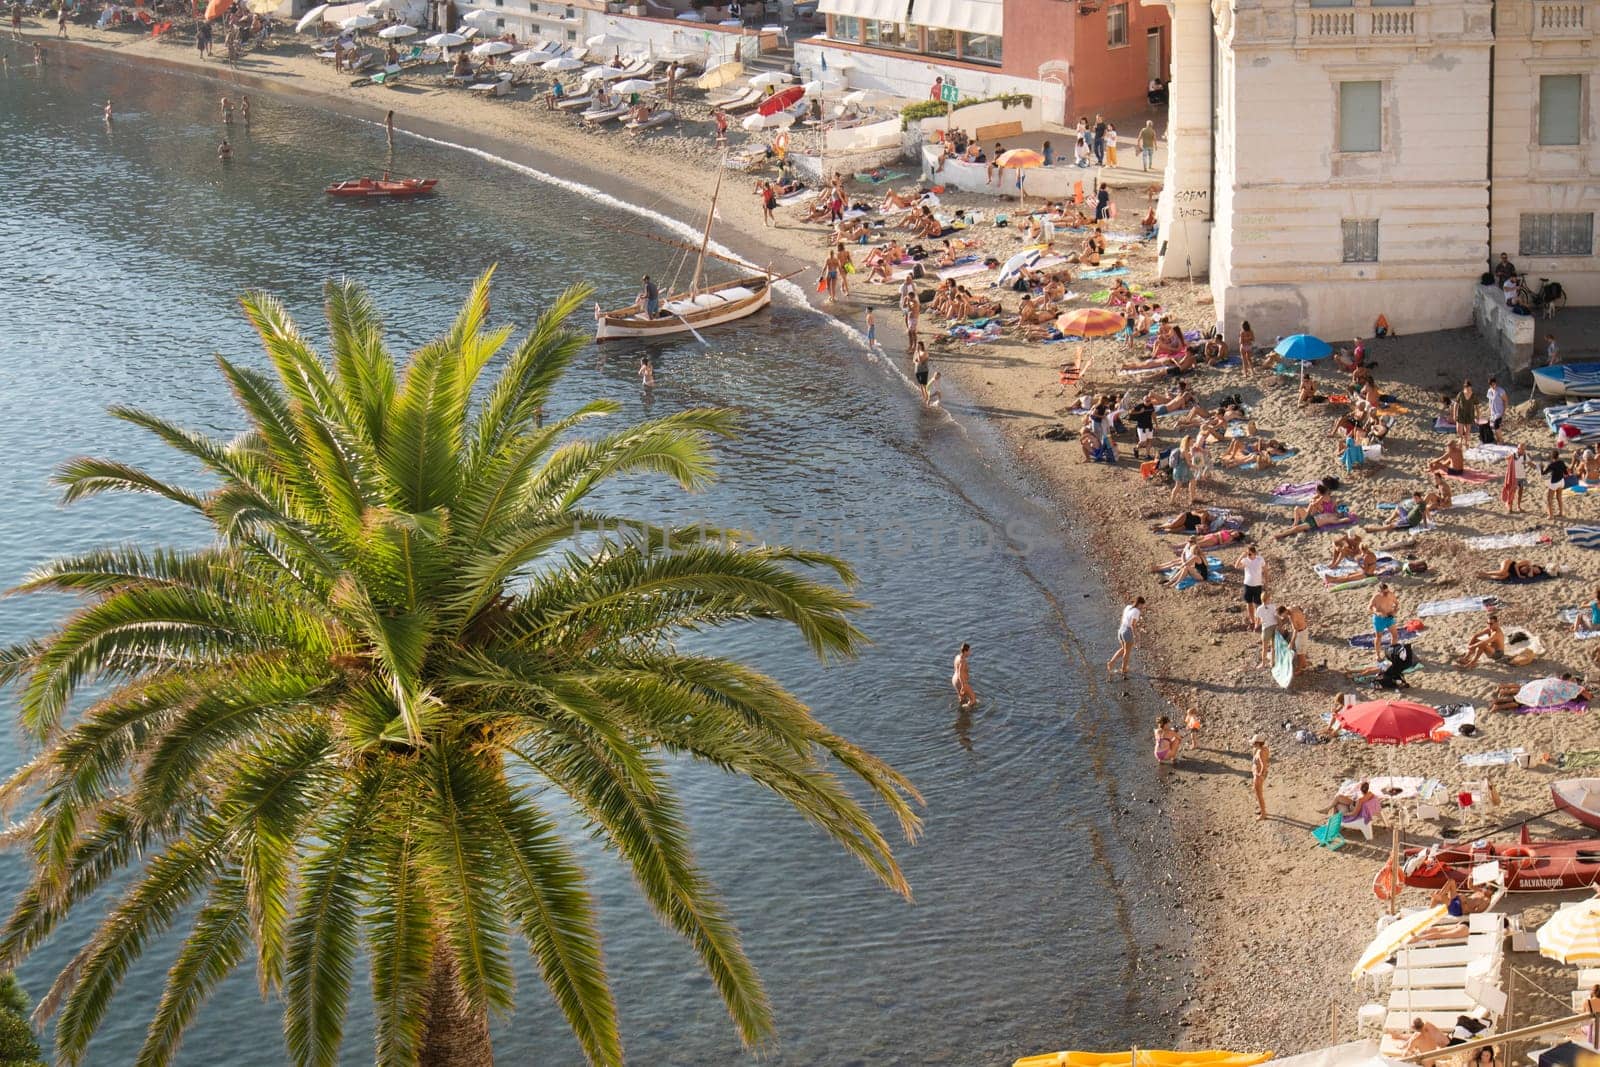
point(1400, 932)
point(1572, 935)
point(1146, 1058)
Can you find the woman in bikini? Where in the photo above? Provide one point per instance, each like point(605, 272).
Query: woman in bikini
point(1167, 741)
point(1520, 570)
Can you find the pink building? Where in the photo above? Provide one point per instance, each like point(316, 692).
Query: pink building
point(1081, 56)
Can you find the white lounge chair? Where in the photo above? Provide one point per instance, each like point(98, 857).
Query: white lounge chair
point(1455, 1000)
point(575, 103)
point(604, 115)
point(1429, 978)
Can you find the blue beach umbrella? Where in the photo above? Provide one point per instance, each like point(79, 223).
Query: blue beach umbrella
point(1303, 348)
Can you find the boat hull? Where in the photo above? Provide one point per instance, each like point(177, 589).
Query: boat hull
point(631, 323)
point(1568, 379)
point(376, 189)
point(1579, 798)
point(1526, 867)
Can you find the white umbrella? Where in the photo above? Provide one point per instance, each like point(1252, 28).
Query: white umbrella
point(599, 40)
point(765, 122)
point(480, 18)
point(527, 59)
point(358, 22)
point(391, 33)
point(812, 88)
point(634, 85)
point(314, 15)
point(493, 48)
point(561, 63)
point(770, 77)
point(445, 40)
point(376, 7)
point(857, 97)
point(603, 72)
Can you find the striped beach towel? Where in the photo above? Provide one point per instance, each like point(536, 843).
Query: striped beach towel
point(1490, 453)
point(1456, 605)
point(1500, 757)
point(1555, 416)
point(1584, 536)
point(1490, 542)
point(1351, 568)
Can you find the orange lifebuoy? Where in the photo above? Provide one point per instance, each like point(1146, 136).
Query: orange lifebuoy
point(780, 144)
point(1516, 857)
point(1386, 886)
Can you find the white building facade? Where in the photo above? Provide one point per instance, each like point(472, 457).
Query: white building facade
point(1329, 160)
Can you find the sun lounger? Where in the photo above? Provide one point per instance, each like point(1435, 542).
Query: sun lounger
point(604, 115)
point(1445, 1020)
point(1459, 954)
point(660, 118)
point(1415, 1000)
point(1429, 978)
point(573, 103)
point(739, 97)
point(743, 105)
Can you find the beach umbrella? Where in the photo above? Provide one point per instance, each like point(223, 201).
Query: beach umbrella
point(771, 77)
point(603, 72)
point(479, 18)
point(358, 22)
point(1019, 159)
point(1394, 936)
point(1572, 935)
point(527, 59)
point(1548, 692)
point(782, 100)
point(445, 40)
point(634, 85)
point(561, 63)
point(492, 48)
point(217, 8)
point(768, 122)
point(1089, 322)
point(1389, 722)
point(1303, 348)
point(394, 33)
point(1025, 258)
point(310, 17)
point(599, 40)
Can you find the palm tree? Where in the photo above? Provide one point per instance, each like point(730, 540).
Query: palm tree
point(344, 723)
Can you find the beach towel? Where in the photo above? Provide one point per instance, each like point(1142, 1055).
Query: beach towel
point(1525, 539)
point(1353, 455)
point(1213, 573)
point(1475, 477)
point(1456, 606)
point(1106, 272)
point(1584, 536)
point(1455, 717)
point(1500, 757)
point(1490, 453)
point(1443, 425)
point(1407, 630)
point(961, 270)
point(1571, 705)
point(1330, 834)
point(1351, 568)
point(1255, 464)
point(1467, 500)
point(1358, 583)
point(1296, 489)
point(880, 177)
point(1282, 662)
point(1579, 758)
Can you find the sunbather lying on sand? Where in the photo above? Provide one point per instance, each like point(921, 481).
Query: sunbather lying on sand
point(1521, 570)
point(1243, 450)
point(895, 201)
point(1191, 521)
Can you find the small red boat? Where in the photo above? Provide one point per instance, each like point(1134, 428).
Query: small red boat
point(383, 187)
point(1525, 867)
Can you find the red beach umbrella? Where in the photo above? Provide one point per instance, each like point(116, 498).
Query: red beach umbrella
point(1390, 722)
point(781, 100)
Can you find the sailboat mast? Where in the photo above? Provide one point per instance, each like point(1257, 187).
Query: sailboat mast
point(705, 239)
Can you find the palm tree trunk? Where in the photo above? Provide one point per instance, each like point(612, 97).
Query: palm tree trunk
point(454, 1035)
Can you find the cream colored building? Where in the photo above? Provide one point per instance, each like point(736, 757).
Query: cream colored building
point(1329, 159)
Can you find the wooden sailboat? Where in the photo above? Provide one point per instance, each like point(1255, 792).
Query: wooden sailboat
point(698, 307)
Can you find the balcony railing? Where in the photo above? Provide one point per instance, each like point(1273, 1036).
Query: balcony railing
point(1555, 20)
point(1361, 24)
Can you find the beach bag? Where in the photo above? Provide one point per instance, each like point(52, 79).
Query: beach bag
point(822, 284)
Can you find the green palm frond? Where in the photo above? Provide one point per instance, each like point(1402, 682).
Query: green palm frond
point(342, 726)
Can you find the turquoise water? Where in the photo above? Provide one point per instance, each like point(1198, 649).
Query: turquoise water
point(123, 252)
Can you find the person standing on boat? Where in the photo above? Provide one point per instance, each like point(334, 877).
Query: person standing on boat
point(650, 297)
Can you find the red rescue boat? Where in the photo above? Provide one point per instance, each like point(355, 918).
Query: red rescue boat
point(382, 187)
point(1525, 867)
point(1579, 798)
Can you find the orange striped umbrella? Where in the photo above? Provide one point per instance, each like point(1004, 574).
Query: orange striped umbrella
point(1089, 322)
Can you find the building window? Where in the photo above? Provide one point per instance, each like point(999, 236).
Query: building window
point(1360, 116)
point(572, 12)
point(1117, 26)
point(1560, 108)
point(845, 28)
point(981, 48)
point(1560, 234)
point(883, 34)
point(572, 35)
point(942, 42)
point(499, 24)
point(1360, 240)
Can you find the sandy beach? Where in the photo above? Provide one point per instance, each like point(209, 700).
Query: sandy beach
point(1263, 908)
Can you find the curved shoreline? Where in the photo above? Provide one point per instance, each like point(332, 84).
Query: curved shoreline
point(1136, 837)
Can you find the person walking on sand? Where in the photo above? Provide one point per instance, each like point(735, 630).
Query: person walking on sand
point(1127, 630)
point(1254, 566)
point(61, 21)
point(1260, 762)
point(720, 117)
point(16, 21)
point(1555, 473)
point(1385, 607)
point(961, 677)
point(769, 203)
point(830, 277)
point(913, 312)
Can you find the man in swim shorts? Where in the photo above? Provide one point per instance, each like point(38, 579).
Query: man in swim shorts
point(1385, 605)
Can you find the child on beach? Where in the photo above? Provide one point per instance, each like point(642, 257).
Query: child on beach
point(1260, 761)
point(1192, 723)
point(872, 332)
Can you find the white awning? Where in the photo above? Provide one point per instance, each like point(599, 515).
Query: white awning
point(968, 16)
point(881, 10)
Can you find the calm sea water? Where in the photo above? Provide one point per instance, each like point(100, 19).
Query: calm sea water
point(121, 254)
